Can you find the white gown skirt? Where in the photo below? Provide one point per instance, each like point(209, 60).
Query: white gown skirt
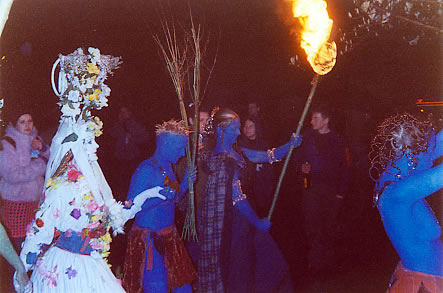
point(63, 271)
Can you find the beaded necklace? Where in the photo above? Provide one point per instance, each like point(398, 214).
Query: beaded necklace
point(167, 182)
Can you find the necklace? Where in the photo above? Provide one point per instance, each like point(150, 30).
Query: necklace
point(167, 182)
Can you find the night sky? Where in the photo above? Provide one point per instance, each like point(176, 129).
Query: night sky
point(253, 45)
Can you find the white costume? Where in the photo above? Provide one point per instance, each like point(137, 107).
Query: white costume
point(67, 244)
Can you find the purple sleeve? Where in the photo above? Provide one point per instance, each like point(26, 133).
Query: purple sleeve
point(14, 173)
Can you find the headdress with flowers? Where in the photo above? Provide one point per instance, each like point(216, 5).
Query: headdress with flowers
point(81, 84)
point(81, 88)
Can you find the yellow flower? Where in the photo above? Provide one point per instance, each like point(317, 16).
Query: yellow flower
point(94, 96)
point(92, 68)
point(94, 218)
point(88, 196)
point(95, 126)
point(106, 238)
point(49, 183)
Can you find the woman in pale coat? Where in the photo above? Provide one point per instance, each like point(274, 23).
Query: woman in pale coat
point(22, 168)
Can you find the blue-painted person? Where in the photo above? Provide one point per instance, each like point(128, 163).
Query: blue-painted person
point(156, 258)
point(227, 222)
point(406, 152)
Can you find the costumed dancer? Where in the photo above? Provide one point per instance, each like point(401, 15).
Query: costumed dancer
point(67, 244)
point(403, 153)
point(156, 259)
point(227, 255)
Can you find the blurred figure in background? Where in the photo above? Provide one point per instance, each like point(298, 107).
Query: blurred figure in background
point(199, 186)
point(130, 136)
point(258, 179)
point(254, 113)
point(22, 168)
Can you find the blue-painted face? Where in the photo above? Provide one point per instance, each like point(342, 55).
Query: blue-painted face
point(231, 132)
point(172, 146)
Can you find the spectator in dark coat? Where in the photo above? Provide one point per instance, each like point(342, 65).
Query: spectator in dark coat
point(258, 179)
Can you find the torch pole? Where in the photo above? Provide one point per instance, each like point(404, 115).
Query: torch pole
point(291, 148)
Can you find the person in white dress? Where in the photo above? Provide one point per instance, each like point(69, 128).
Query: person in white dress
point(67, 244)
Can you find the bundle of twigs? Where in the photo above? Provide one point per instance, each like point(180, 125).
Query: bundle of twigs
point(181, 60)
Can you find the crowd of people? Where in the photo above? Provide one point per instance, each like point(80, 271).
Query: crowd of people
point(59, 214)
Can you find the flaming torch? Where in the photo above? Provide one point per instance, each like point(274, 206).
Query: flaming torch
point(321, 55)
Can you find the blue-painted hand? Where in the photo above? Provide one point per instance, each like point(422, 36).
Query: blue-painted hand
point(192, 175)
point(263, 225)
point(295, 140)
point(168, 192)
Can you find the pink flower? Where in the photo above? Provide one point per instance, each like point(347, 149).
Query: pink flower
point(56, 213)
point(73, 175)
point(93, 225)
point(68, 233)
point(29, 226)
point(96, 245)
point(92, 206)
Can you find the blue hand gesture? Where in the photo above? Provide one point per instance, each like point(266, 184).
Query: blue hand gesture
point(192, 175)
point(168, 192)
point(295, 140)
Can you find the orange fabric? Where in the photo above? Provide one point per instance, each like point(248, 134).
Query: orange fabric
point(16, 215)
point(406, 281)
point(180, 268)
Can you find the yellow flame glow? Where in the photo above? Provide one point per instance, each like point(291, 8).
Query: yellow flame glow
point(317, 27)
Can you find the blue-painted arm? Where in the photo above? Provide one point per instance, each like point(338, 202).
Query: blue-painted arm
point(144, 178)
point(279, 153)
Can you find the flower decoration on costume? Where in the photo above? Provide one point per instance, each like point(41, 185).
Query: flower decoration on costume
point(81, 86)
point(128, 204)
point(73, 175)
point(76, 214)
point(71, 272)
point(39, 222)
point(50, 276)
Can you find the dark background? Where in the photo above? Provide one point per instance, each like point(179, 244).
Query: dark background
point(253, 44)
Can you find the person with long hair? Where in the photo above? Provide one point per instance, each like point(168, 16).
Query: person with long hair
point(226, 258)
point(403, 155)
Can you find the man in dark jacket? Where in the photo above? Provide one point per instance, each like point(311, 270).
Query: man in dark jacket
point(322, 161)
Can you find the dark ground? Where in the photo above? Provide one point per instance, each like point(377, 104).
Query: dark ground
point(365, 257)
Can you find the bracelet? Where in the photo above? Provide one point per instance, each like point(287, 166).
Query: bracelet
point(271, 156)
point(241, 195)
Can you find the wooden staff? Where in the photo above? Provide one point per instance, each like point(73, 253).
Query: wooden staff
point(314, 83)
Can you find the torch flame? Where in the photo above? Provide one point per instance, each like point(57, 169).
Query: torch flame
point(317, 27)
